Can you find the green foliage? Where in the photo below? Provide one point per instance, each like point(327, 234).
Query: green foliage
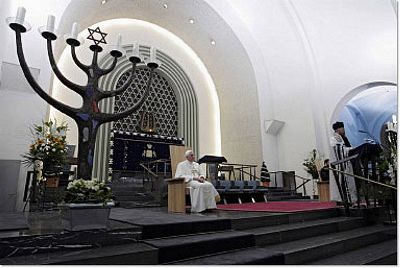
point(309, 164)
point(84, 191)
point(48, 145)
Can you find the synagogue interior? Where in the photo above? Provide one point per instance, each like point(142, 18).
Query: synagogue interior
point(198, 132)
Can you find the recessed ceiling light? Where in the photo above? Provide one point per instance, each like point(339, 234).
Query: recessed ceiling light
point(212, 42)
point(103, 2)
point(165, 5)
point(191, 21)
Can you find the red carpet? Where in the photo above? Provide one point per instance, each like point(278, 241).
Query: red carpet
point(279, 206)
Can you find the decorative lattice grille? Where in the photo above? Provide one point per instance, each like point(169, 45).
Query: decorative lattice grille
point(161, 103)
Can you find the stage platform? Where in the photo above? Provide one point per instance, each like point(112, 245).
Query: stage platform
point(154, 236)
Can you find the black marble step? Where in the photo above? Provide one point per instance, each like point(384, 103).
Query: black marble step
point(380, 253)
point(246, 222)
point(317, 247)
point(134, 197)
point(156, 224)
point(299, 230)
point(138, 203)
point(275, 189)
point(127, 192)
point(126, 187)
point(133, 253)
point(13, 221)
point(245, 256)
point(183, 247)
point(281, 193)
point(67, 241)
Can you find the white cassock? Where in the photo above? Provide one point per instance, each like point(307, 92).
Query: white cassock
point(202, 194)
point(340, 151)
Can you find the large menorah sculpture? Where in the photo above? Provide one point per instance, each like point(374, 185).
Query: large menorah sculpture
point(88, 117)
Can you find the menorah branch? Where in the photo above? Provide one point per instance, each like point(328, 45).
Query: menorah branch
point(110, 69)
point(104, 118)
point(76, 88)
point(120, 90)
point(35, 86)
point(78, 63)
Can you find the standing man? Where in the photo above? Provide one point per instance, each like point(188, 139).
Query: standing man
point(341, 147)
point(202, 193)
point(339, 137)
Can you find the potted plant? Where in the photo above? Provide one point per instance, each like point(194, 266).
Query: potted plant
point(311, 168)
point(310, 164)
point(265, 177)
point(48, 151)
point(86, 205)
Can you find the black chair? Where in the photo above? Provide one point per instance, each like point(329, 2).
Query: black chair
point(260, 192)
point(225, 189)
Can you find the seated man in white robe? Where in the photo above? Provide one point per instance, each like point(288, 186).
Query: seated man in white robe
point(202, 193)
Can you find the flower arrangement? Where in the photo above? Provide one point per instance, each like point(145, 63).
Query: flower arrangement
point(84, 191)
point(49, 144)
point(309, 164)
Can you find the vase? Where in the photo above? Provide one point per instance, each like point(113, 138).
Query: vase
point(85, 216)
point(52, 182)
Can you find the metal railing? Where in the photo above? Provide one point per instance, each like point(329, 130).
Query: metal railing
point(369, 184)
point(305, 181)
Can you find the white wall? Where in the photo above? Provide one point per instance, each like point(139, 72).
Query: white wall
point(314, 53)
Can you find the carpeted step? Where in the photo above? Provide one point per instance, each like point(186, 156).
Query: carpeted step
point(314, 248)
point(133, 253)
point(380, 253)
point(245, 222)
point(237, 257)
point(299, 230)
point(183, 247)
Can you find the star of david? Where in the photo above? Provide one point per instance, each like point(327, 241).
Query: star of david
point(97, 32)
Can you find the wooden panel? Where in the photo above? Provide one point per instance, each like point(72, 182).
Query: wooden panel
point(176, 195)
point(177, 154)
point(323, 191)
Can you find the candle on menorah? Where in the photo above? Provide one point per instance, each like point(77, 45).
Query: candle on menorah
point(88, 117)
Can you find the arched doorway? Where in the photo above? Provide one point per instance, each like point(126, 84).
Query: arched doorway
point(365, 109)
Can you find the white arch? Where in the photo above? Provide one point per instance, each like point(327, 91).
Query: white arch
point(352, 93)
